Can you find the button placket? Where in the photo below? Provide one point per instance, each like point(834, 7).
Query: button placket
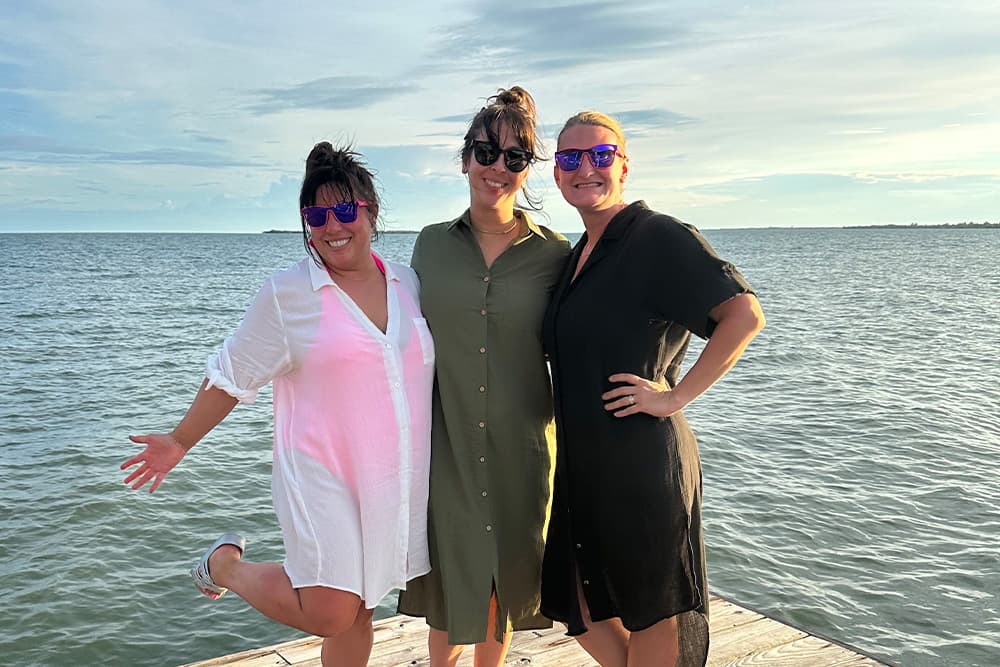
point(483, 440)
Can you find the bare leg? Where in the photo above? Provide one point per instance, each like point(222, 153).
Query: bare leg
point(606, 641)
point(442, 653)
point(488, 653)
point(656, 646)
point(351, 648)
point(491, 653)
point(317, 610)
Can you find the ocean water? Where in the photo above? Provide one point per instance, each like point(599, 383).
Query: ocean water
point(850, 459)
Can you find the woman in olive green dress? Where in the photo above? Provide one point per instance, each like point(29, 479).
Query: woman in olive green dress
point(486, 277)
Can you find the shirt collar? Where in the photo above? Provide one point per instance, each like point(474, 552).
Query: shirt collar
point(620, 223)
point(466, 219)
point(319, 276)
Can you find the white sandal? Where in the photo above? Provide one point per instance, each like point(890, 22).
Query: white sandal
point(202, 579)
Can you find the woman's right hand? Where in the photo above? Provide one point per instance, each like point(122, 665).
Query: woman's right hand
point(161, 454)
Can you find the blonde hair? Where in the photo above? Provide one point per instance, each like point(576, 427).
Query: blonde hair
point(597, 119)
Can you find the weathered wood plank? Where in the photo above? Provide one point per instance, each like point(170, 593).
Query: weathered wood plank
point(301, 651)
point(258, 657)
point(724, 616)
point(740, 638)
point(749, 638)
point(806, 651)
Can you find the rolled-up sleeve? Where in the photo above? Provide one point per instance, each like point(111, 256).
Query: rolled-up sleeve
point(693, 279)
point(255, 353)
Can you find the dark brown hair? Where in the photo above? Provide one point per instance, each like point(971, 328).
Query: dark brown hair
point(515, 108)
point(344, 170)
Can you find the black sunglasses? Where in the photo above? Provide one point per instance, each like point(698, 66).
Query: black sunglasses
point(515, 159)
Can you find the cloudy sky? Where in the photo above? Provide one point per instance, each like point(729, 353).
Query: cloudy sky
point(142, 115)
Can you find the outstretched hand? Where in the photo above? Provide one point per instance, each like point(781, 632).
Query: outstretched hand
point(640, 395)
point(161, 454)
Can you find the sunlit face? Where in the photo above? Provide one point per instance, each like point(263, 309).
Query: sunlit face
point(342, 246)
point(494, 186)
point(587, 188)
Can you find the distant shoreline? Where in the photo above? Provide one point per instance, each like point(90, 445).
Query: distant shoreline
point(390, 232)
point(947, 225)
point(913, 225)
point(299, 231)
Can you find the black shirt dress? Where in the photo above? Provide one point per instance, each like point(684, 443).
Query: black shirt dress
point(626, 509)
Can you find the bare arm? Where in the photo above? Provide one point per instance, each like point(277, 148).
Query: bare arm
point(738, 319)
point(165, 450)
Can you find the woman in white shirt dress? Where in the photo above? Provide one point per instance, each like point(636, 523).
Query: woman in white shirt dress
point(340, 336)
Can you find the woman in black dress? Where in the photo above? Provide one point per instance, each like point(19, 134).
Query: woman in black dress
point(624, 563)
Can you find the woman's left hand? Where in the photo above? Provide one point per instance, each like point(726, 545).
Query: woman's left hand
point(640, 395)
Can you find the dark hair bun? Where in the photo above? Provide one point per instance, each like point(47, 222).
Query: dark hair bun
point(518, 97)
point(326, 157)
point(323, 156)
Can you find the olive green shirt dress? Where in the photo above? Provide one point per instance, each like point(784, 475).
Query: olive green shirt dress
point(492, 440)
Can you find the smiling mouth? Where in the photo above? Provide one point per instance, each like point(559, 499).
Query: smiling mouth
point(587, 185)
point(339, 243)
point(493, 184)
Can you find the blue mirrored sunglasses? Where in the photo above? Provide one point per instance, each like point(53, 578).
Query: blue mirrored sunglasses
point(601, 156)
point(344, 212)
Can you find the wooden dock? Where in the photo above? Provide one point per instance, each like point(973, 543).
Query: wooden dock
point(739, 637)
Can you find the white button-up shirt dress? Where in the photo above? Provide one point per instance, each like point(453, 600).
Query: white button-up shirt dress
point(351, 425)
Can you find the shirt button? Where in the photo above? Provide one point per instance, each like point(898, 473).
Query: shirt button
point(586, 582)
point(486, 279)
point(579, 546)
point(395, 384)
point(481, 389)
point(482, 424)
point(484, 494)
point(482, 350)
point(483, 312)
point(489, 528)
point(388, 346)
point(482, 459)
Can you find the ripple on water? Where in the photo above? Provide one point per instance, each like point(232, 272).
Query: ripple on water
point(849, 459)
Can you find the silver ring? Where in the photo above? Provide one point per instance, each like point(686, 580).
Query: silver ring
point(631, 399)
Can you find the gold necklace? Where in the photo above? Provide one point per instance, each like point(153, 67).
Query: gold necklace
point(505, 232)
